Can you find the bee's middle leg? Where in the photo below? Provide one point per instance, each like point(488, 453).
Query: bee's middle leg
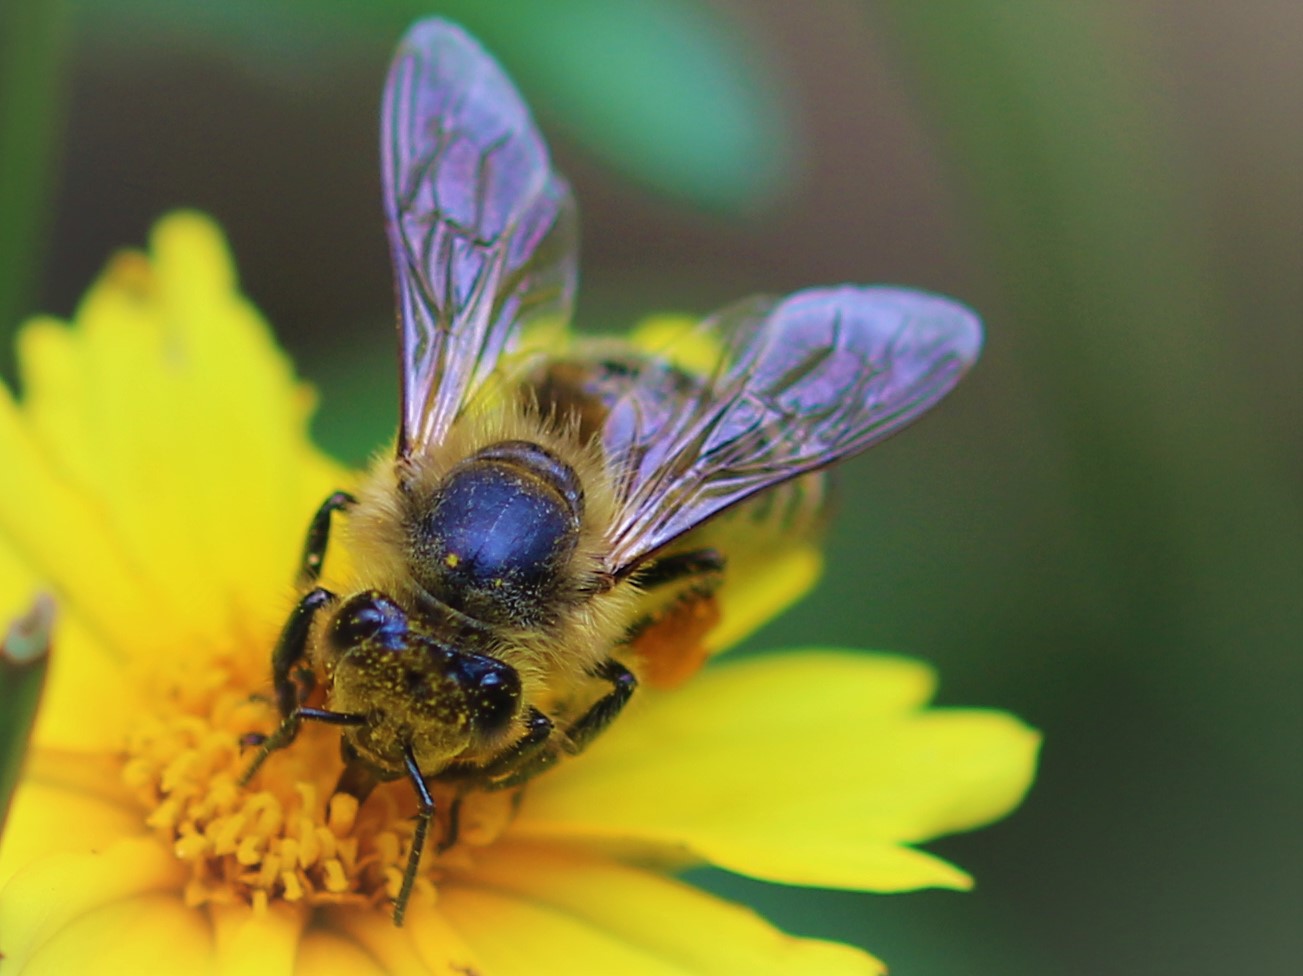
point(603, 711)
point(523, 765)
point(502, 771)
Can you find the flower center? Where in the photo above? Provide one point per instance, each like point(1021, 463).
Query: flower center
point(287, 835)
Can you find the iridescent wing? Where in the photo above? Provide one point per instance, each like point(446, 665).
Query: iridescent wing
point(482, 232)
point(800, 383)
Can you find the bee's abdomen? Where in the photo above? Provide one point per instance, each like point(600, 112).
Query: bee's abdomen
point(499, 533)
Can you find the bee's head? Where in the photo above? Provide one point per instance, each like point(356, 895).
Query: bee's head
point(414, 687)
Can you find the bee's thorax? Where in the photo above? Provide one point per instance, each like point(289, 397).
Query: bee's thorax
point(494, 539)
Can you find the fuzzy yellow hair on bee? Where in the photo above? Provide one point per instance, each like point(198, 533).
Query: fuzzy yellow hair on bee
point(544, 536)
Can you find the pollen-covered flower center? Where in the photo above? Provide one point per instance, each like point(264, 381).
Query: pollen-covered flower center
point(288, 834)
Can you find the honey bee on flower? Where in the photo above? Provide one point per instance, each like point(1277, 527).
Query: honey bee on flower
point(553, 528)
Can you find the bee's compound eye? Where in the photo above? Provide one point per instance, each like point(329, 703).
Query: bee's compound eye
point(370, 616)
point(492, 689)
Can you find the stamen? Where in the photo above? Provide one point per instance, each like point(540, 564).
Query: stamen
point(286, 836)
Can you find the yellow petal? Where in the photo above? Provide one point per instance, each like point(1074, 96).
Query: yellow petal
point(40, 903)
point(106, 411)
point(243, 416)
point(172, 448)
point(813, 768)
point(252, 943)
point(838, 859)
point(19, 584)
point(85, 677)
point(54, 398)
point(47, 818)
point(84, 673)
point(327, 954)
point(66, 542)
point(760, 586)
point(148, 935)
point(587, 904)
point(425, 945)
point(677, 339)
point(517, 937)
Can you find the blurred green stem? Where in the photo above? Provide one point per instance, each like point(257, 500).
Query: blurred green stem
point(24, 659)
point(33, 42)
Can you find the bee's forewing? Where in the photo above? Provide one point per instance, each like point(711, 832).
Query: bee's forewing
point(482, 231)
point(800, 383)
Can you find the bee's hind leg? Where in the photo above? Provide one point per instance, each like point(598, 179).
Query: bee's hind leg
point(678, 610)
point(674, 581)
point(697, 568)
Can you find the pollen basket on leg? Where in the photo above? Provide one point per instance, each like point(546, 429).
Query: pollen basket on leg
point(287, 835)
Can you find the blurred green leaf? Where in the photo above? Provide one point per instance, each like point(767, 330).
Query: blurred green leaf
point(663, 90)
point(32, 54)
point(1058, 132)
point(24, 656)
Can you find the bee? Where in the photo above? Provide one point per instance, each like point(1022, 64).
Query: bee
point(543, 538)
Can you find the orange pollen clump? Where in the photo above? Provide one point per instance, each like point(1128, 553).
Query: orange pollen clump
point(286, 835)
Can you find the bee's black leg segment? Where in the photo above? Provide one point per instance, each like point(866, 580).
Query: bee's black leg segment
point(314, 546)
point(424, 814)
point(538, 730)
point(675, 580)
point(578, 736)
point(288, 731)
point(513, 765)
point(292, 646)
point(329, 717)
point(603, 711)
point(705, 565)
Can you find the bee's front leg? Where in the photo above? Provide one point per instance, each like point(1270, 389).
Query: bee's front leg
point(291, 648)
point(538, 732)
point(314, 546)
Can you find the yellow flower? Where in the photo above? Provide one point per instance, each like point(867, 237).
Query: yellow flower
point(157, 479)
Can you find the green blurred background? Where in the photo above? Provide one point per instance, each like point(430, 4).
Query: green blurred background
point(1101, 531)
